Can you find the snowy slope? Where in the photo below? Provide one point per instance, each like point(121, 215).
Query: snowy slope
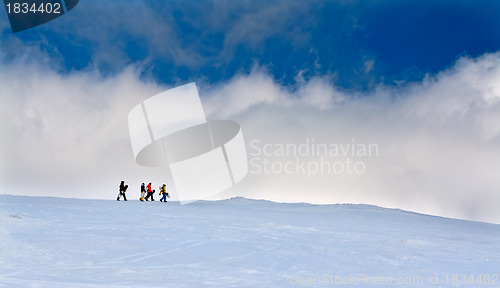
point(53, 242)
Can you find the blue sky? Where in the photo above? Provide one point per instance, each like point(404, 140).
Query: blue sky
point(362, 43)
point(420, 79)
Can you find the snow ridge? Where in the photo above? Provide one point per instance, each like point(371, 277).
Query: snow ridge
point(54, 242)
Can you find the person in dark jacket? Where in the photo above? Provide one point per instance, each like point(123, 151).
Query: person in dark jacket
point(122, 189)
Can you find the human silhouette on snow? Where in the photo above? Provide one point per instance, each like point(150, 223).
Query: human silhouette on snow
point(122, 189)
point(164, 193)
point(150, 193)
point(143, 191)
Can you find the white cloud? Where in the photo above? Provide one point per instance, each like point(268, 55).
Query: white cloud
point(259, 21)
point(160, 28)
point(65, 135)
point(438, 140)
point(368, 65)
point(242, 93)
point(318, 92)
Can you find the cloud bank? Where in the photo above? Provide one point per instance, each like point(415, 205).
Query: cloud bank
point(438, 140)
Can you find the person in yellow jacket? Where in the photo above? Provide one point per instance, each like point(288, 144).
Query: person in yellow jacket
point(143, 192)
point(163, 191)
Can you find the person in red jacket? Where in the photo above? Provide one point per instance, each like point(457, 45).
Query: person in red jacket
point(150, 193)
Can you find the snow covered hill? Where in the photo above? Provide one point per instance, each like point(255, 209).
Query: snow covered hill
point(54, 242)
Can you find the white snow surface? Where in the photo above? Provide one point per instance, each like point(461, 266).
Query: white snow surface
point(56, 242)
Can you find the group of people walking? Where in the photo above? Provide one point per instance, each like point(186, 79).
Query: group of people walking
point(146, 192)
